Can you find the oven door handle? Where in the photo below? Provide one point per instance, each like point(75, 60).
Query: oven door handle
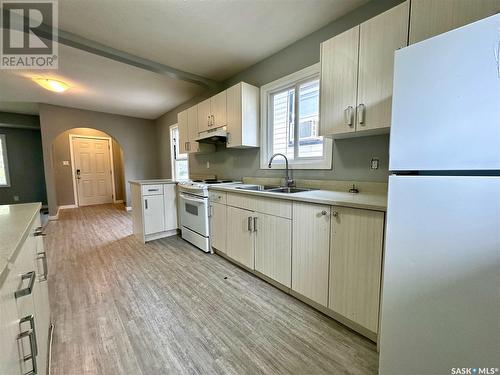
point(195, 200)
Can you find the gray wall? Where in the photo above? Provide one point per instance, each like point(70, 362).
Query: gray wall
point(351, 157)
point(63, 176)
point(24, 153)
point(136, 136)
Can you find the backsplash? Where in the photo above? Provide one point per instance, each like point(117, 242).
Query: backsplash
point(351, 161)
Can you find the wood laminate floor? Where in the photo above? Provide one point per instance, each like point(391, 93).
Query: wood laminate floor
point(122, 307)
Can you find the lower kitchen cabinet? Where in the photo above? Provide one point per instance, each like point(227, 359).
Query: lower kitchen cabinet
point(310, 251)
point(240, 237)
point(24, 306)
point(356, 264)
point(154, 209)
point(273, 247)
point(218, 226)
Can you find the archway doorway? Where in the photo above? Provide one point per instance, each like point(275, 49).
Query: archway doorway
point(88, 166)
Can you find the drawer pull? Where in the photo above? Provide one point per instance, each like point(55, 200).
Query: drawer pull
point(31, 320)
point(255, 224)
point(26, 291)
point(43, 257)
point(32, 356)
point(153, 189)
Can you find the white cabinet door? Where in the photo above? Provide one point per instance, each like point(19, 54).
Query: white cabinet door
point(378, 39)
point(242, 116)
point(218, 226)
point(240, 237)
point(10, 359)
point(433, 17)
point(204, 116)
point(339, 71)
point(218, 107)
point(154, 214)
point(170, 201)
point(356, 264)
point(192, 121)
point(273, 247)
point(311, 250)
point(182, 123)
point(42, 307)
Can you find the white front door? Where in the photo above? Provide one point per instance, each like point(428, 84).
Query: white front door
point(92, 165)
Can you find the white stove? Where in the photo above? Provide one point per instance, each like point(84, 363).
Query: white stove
point(194, 211)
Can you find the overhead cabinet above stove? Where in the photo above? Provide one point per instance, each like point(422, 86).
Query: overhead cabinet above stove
point(231, 117)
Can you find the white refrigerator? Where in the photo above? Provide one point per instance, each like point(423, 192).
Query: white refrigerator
point(441, 286)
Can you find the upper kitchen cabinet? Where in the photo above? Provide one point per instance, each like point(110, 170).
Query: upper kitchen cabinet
point(357, 75)
point(182, 123)
point(433, 17)
point(242, 116)
point(339, 74)
point(187, 121)
point(212, 112)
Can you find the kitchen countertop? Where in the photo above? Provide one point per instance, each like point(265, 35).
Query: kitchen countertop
point(369, 201)
point(15, 221)
point(153, 182)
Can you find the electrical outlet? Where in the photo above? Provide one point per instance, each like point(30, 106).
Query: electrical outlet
point(208, 164)
point(374, 163)
point(66, 162)
point(16, 198)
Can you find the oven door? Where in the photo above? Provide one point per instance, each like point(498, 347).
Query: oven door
point(194, 213)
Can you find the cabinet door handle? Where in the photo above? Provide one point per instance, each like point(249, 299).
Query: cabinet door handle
point(208, 120)
point(324, 213)
point(361, 114)
point(348, 116)
point(43, 257)
point(32, 356)
point(146, 203)
point(31, 320)
point(249, 223)
point(228, 138)
point(39, 232)
point(213, 120)
point(335, 214)
point(255, 224)
point(26, 291)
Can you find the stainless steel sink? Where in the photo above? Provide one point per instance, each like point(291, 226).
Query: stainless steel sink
point(257, 187)
point(288, 190)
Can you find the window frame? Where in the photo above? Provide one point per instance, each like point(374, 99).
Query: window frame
point(266, 93)
point(3, 140)
point(172, 152)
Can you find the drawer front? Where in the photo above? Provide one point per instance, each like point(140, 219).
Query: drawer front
point(152, 189)
point(270, 206)
point(217, 197)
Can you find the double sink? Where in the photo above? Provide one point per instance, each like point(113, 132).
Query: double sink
point(274, 189)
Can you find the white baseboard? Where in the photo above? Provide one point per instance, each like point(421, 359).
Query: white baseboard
point(119, 201)
point(56, 216)
point(128, 208)
point(65, 207)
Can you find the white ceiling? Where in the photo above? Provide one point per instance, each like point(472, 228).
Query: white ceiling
point(97, 84)
point(213, 38)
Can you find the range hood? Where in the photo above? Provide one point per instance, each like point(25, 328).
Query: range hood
point(218, 135)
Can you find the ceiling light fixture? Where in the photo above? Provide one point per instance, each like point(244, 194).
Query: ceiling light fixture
point(52, 84)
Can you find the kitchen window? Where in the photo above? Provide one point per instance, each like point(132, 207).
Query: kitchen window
point(180, 162)
point(290, 122)
point(4, 164)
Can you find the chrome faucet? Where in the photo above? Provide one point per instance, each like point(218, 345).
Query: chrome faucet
point(288, 181)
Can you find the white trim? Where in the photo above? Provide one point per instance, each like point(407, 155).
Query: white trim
point(112, 164)
point(277, 85)
point(172, 153)
point(3, 140)
point(67, 206)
